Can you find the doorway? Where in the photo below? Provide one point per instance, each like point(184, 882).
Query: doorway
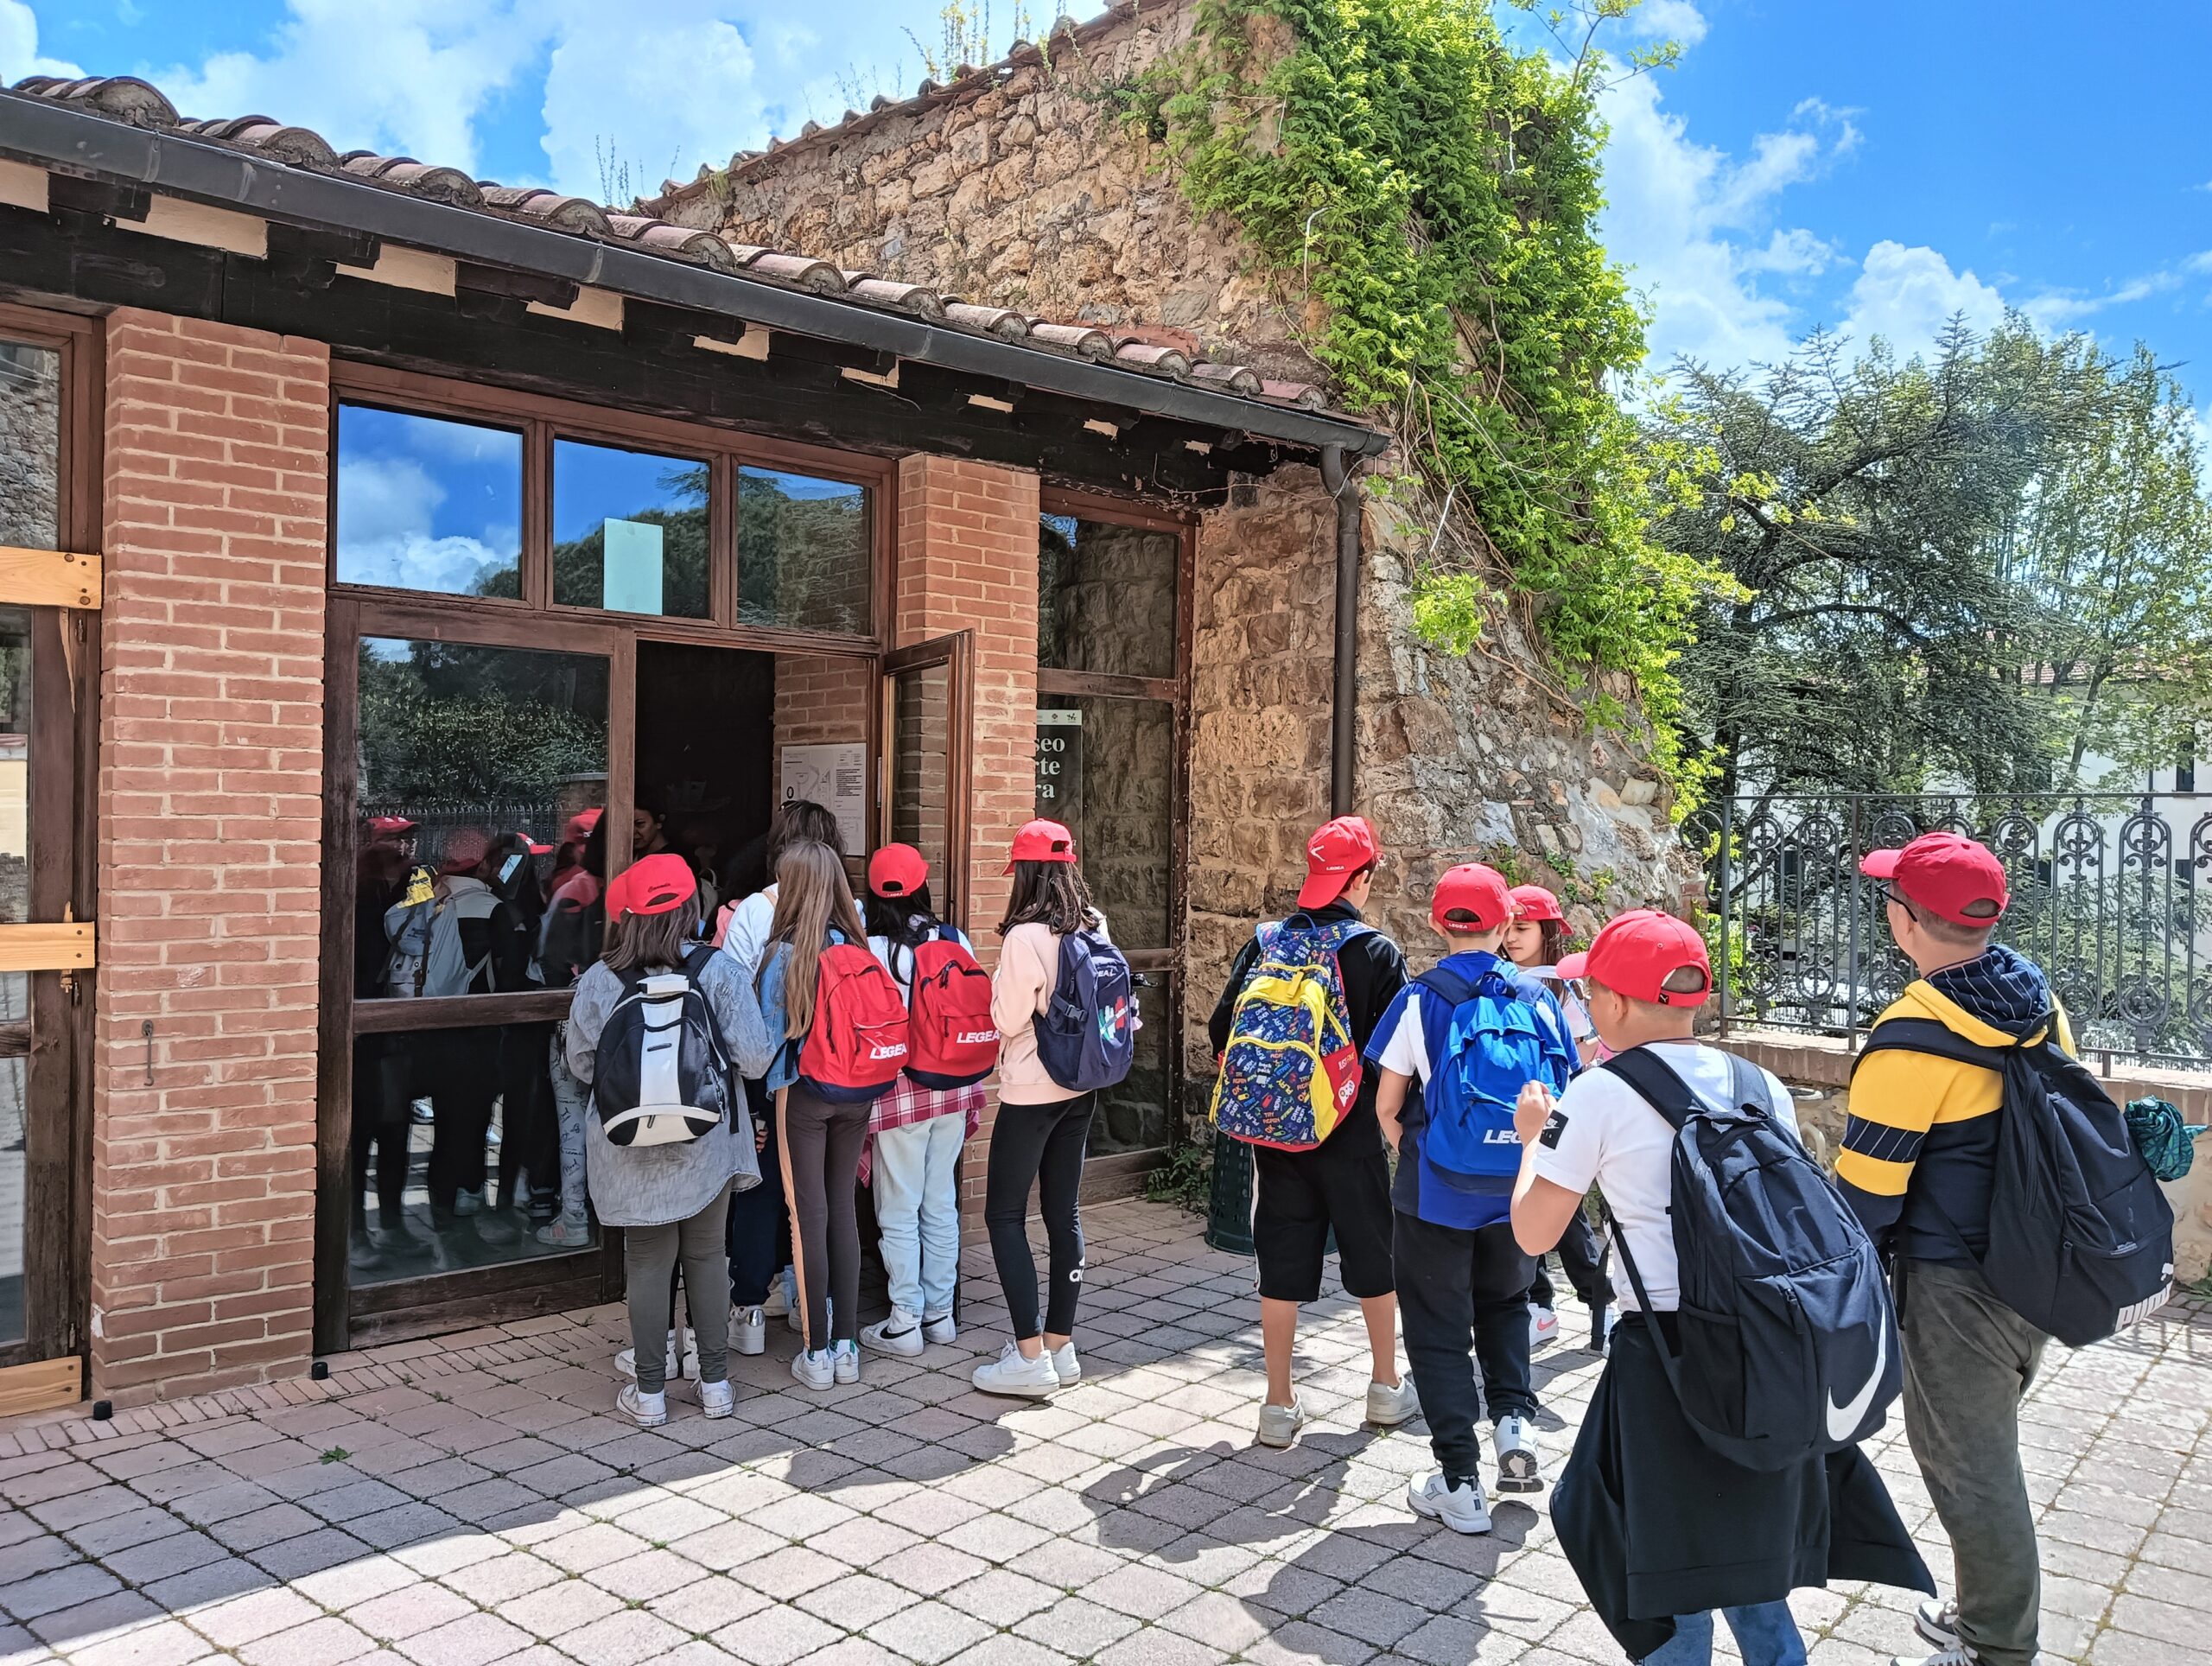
point(705, 749)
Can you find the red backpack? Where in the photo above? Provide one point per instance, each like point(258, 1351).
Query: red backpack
point(954, 1041)
point(857, 1044)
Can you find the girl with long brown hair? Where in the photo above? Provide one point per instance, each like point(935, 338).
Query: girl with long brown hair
point(818, 1140)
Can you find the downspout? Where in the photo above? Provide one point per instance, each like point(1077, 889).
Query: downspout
point(1345, 488)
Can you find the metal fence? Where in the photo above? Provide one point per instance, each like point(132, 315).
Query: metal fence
point(2112, 894)
point(435, 823)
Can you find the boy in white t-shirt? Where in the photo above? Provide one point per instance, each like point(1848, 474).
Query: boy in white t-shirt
point(1661, 1529)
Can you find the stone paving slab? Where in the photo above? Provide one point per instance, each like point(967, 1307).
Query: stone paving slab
point(476, 1502)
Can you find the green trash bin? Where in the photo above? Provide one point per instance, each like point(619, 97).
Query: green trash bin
point(1228, 1209)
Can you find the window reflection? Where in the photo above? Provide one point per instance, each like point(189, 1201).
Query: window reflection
point(14, 1131)
point(803, 552)
point(15, 764)
point(921, 766)
point(458, 1155)
point(425, 503)
point(482, 772)
point(629, 530)
point(30, 446)
point(1133, 1114)
point(1106, 770)
point(1106, 597)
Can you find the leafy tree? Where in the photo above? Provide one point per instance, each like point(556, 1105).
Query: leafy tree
point(453, 723)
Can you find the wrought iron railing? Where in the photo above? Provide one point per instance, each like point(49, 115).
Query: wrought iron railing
point(2112, 894)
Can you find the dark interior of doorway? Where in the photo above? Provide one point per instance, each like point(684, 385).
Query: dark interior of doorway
point(706, 731)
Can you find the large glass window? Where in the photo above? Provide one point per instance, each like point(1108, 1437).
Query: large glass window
point(804, 552)
point(1106, 597)
point(30, 446)
point(1106, 770)
point(629, 530)
point(15, 765)
point(426, 503)
point(921, 767)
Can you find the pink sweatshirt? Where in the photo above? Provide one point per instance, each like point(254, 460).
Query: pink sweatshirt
point(1029, 965)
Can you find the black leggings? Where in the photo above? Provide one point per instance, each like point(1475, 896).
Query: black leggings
point(760, 1226)
point(1040, 1145)
point(820, 1143)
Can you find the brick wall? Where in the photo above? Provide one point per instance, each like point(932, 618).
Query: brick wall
point(211, 769)
point(820, 700)
point(968, 560)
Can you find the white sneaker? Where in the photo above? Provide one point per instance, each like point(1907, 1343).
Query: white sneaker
point(777, 1303)
point(1952, 1654)
point(1279, 1425)
point(1388, 1405)
point(1938, 1621)
point(717, 1399)
point(901, 1333)
point(685, 1363)
point(940, 1330)
point(814, 1371)
point(566, 1233)
point(1543, 1326)
point(748, 1331)
point(1518, 1470)
point(1012, 1374)
point(466, 1202)
point(1459, 1508)
point(648, 1411)
point(1065, 1366)
point(845, 1356)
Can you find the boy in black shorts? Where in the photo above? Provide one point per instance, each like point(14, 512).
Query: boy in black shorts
point(1343, 1182)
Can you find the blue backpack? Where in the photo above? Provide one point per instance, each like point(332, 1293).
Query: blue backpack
point(1494, 1048)
point(1087, 1035)
point(1787, 1342)
point(2081, 1239)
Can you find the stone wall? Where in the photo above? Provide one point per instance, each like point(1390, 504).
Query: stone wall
point(30, 444)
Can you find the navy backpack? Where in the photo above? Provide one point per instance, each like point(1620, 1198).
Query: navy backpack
point(1087, 1036)
point(1788, 1344)
point(2081, 1239)
point(1493, 1048)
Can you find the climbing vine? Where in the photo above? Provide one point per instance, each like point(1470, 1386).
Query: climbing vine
point(1433, 194)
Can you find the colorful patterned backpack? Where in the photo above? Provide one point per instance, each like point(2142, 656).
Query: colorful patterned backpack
point(1291, 1070)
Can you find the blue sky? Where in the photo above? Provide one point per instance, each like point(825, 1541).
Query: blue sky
point(1871, 166)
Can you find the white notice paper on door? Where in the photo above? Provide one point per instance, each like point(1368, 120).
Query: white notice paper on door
point(834, 777)
point(631, 566)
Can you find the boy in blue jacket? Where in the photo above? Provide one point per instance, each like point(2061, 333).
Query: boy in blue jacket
point(1472, 1032)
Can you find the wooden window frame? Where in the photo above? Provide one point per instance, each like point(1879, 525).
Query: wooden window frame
point(1170, 963)
point(957, 653)
point(63, 782)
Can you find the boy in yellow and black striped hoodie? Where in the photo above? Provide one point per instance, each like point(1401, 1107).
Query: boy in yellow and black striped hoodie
point(1917, 1164)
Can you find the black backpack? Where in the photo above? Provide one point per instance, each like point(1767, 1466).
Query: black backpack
point(661, 1075)
point(2081, 1239)
point(1789, 1345)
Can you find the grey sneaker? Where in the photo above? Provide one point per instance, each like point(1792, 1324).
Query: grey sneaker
point(1389, 1405)
point(1065, 1366)
point(1279, 1425)
point(1458, 1504)
point(1938, 1621)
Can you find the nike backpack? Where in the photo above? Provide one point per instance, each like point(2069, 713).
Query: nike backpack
point(1291, 1070)
point(857, 1044)
point(2080, 1238)
point(1087, 1034)
point(1493, 1048)
point(661, 1077)
point(952, 1041)
point(1788, 1344)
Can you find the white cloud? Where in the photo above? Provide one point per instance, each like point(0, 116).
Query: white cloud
point(386, 510)
point(405, 75)
point(1906, 296)
point(19, 52)
point(1695, 225)
point(693, 97)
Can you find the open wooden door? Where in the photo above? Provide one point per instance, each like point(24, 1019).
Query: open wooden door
point(929, 700)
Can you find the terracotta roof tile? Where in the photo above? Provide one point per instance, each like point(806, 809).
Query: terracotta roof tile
point(1153, 351)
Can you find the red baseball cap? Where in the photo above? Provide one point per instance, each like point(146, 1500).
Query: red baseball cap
point(1041, 841)
point(465, 850)
point(390, 824)
point(1534, 902)
point(1336, 851)
point(651, 885)
point(897, 871)
point(1636, 953)
point(1950, 876)
point(580, 826)
point(1471, 898)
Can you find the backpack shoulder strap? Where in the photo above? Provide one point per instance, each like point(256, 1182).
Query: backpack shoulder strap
point(1747, 1084)
point(1655, 1083)
point(1449, 986)
point(1927, 1035)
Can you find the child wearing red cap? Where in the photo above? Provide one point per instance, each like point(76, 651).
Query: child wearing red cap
point(1919, 1155)
point(1457, 1030)
point(1343, 1185)
point(912, 1162)
point(1659, 1527)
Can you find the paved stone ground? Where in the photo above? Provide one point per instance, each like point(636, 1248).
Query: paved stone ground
point(476, 1501)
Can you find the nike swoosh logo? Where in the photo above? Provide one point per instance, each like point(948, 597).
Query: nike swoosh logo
point(1844, 1420)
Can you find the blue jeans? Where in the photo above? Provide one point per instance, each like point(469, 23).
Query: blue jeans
point(1764, 1632)
point(915, 1179)
point(571, 1104)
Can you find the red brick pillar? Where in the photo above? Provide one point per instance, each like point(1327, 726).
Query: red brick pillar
point(210, 805)
point(968, 562)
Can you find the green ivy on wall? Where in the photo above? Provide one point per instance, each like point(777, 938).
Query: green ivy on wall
point(1434, 194)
